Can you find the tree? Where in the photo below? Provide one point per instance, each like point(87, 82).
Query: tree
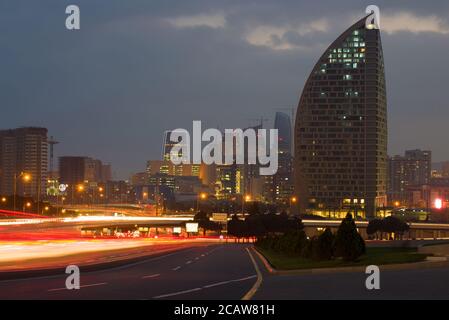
point(325, 245)
point(255, 226)
point(204, 222)
point(348, 243)
point(236, 227)
point(374, 227)
point(394, 225)
point(254, 208)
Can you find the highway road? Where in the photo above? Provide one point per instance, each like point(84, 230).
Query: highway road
point(203, 272)
point(226, 272)
point(411, 284)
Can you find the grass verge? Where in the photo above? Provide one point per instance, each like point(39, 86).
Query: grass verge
point(373, 256)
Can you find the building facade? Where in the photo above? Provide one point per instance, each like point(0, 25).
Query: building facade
point(283, 185)
point(407, 172)
point(23, 150)
point(341, 128)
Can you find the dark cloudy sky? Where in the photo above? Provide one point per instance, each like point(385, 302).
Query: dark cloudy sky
point(137, 68)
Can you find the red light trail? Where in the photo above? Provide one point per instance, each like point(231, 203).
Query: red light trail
point(21, 214)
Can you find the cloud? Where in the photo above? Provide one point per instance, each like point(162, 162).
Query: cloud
point(409, 22)
point(279, 38)
point(201, 20)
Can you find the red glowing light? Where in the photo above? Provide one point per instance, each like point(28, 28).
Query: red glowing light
point(438, 204)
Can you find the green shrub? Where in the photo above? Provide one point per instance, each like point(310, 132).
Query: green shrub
point(348, 243)
point(324, 249)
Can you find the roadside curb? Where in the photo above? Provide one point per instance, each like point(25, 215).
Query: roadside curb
point(249, 295)
point(386, 267)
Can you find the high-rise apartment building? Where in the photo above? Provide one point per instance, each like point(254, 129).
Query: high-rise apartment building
point(77, 170)
point(405, 172)
point(23, 150)
point(341, 128)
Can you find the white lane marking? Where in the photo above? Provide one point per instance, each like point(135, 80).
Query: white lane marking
point(177, 268)
point(202, 255)
point(151, 276)
point(176, 293)
point(145, 261)
point(204, 287)
point(189, 262)
point(197, 258)
point(230, 281)
point(85, 286)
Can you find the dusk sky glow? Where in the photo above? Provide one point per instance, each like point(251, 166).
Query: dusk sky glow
point(137, 68)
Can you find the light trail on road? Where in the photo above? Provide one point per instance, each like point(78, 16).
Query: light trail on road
point(43, 254)
point(97, 218)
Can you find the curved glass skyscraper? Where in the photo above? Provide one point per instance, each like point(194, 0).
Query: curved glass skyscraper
point(341, 128)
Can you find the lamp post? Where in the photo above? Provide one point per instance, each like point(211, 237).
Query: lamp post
point(26, 178)
point(246, 198)
point(201, 196)
point(293, 201)
point(80, 189)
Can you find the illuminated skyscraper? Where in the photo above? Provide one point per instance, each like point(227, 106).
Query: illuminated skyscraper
point(23, 150)
point(341, 127)
point(283, 179)
point(181, 169)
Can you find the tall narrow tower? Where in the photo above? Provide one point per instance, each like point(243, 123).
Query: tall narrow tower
point(52, 142)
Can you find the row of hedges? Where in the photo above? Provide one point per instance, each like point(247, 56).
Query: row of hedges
point(346, 243)
point(389, 226)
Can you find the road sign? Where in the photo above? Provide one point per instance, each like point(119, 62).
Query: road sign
point(192, 227)
point(220, 217)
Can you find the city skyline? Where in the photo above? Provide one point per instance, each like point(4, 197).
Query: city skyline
point(257, 75)
point(225, 154)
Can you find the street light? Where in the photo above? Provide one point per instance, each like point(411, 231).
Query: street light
point(3, 199)
point(27, 205)
point(26, 178)
point(247, 198)
point(201, 196)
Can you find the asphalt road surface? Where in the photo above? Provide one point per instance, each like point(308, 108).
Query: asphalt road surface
point(432, 283)
point(226, 272)
point(207, 272)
